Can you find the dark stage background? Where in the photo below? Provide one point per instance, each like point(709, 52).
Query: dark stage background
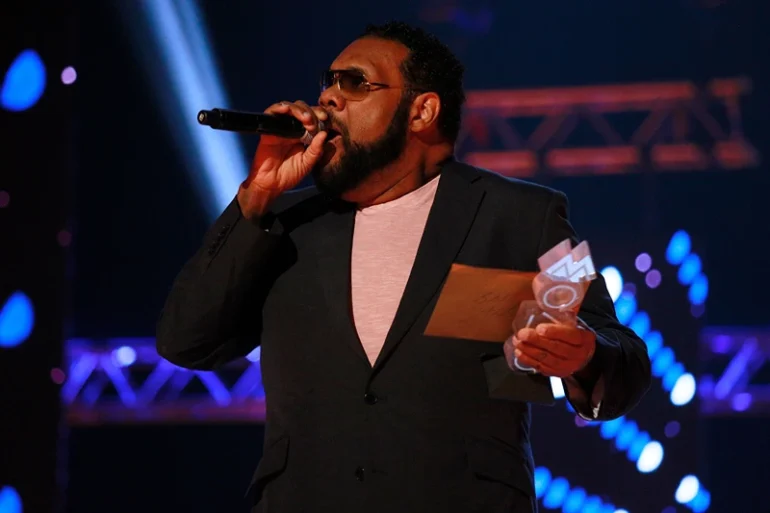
point(140, 211)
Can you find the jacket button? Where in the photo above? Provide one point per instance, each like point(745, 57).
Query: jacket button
point(370, 398)
point(359, 473)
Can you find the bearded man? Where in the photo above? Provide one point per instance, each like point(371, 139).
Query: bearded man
point(337, 283)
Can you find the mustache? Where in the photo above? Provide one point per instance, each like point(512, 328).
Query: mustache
point(337, 126)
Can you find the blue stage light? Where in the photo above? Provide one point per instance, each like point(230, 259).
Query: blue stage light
point(690, 268)
point(190, 74)
point(691, 493)
point(699, 290)
point(17, 318)
point(654, 341)
point(701, 502)
point(662, 361)
point(626, 435)
point(574, 501)
point(124, 356)
point(640, 323)
point(664, 364)
point(610, 429)
point(10, 502)
point(687, 490)
point(542, 481)
point(625, 307)
point(683, 390)
point(24, 82)
point(741, 401)
point(592, 504)
point(650, 458)
point(690, 271)
point(637, 446)
point(614, 281)
point(671, 375)
point(678, 247)
point(556, 493)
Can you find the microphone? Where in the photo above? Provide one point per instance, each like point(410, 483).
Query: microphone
point(281, 125)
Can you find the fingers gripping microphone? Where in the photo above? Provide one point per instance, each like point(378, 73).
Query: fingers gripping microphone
point(249, 122)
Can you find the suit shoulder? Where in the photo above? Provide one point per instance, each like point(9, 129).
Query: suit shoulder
point(507, 188)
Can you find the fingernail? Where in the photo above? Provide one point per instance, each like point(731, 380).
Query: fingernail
point(541, 330)
point(305, 114)
point(517, 353)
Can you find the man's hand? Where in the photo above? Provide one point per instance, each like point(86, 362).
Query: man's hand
point(281, 163)
point(552, 349)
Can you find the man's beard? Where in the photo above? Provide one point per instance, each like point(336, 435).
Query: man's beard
point(360, 161)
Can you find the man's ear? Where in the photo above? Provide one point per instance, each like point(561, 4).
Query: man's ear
point(424, 113)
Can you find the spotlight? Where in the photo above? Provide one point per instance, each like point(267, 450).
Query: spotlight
point(691, 494)
point(556, 493)
point(24, 82)
point(17, 318)
point(10, 502)
point(614, 281)
point(68, 75)
point(124, 356)
point(678, 247)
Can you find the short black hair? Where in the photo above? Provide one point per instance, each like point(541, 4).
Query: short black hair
point(430, 66)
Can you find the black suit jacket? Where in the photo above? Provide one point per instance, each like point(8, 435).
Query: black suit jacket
point(417, 432)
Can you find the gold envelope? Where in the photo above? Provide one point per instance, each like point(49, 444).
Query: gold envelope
point(479, 303)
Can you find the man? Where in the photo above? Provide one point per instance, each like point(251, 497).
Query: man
point(337, 283)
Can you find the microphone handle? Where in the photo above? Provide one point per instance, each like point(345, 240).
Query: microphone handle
point(249, 122)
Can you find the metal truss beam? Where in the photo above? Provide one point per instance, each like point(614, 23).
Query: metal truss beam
point(124, 381)
point(674, 126)
point(737, 380)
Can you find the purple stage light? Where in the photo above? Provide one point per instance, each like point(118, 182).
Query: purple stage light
point(653, 278)
point(69, 75)
point(643, 262)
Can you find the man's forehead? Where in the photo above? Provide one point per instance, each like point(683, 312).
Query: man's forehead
point(372, 56)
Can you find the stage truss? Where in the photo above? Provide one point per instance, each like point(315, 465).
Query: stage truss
point(667, 126)
point(737, 377)
point(125, 381)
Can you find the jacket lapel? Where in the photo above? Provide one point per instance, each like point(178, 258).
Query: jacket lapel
point(451, 216)
point(333, 260)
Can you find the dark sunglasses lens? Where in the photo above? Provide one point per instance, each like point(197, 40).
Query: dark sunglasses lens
point(351, 83)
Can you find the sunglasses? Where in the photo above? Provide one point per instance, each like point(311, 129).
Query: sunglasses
point(352, 84)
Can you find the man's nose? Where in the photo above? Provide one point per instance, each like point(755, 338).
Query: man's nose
point(331, 99)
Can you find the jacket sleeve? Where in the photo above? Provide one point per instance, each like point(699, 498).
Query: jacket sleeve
point(619, 374)
point(212, 314)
